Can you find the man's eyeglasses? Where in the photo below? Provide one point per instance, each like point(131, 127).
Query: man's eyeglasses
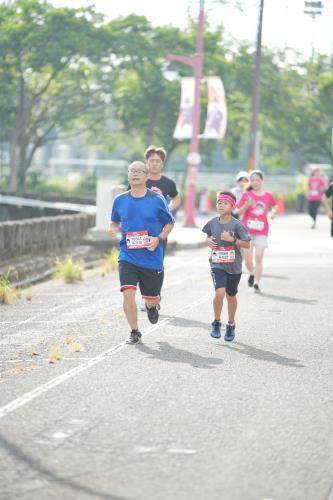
point(137, 171)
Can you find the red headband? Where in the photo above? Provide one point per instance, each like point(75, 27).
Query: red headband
point(226, 197)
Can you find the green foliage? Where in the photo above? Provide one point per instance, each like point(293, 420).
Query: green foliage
point(110, 262)
point(69, 270)
point(8, 294)
point(67, 71)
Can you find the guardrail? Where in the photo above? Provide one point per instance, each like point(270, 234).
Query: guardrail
point(43, 234)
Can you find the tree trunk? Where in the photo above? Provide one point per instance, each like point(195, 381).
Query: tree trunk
point(13, 164)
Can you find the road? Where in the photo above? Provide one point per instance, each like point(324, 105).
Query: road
point(181, 416)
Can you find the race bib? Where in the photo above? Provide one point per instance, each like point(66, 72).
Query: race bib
point(314, 192)
point(257, 225)
point(223, 255)
point(137, 239)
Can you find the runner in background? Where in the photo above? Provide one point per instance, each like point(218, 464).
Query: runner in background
point(242, 179)
point(316, 187)
point(145, 223)
point(253, 207)
point(225, 236)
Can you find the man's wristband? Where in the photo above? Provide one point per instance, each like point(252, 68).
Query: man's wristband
point(160, 239)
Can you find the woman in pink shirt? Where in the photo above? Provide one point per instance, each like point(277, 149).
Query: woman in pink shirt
point(316, 187)
point(253, 206)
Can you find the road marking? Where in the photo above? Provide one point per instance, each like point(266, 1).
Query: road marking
point(42, 389)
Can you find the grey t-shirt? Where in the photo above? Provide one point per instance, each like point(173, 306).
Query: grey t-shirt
point(228, 256)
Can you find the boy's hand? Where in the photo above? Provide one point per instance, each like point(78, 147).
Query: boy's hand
point(211, 242)
point(226, 236)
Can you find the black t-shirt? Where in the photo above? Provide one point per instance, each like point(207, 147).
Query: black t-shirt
point(164, 186)
point(329, 192)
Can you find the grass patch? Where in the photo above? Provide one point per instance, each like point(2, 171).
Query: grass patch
point(8, 294)
point(69, 270)
point(110, 262)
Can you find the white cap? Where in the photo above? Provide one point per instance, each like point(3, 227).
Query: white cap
point(241, 175)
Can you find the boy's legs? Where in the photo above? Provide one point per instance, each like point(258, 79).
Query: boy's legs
point(231, 292)
point(218, 303)
point(232, 308)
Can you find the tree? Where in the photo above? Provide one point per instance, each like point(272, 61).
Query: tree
point(49, 57)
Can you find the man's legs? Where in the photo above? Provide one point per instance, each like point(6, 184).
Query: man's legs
point(130, 309)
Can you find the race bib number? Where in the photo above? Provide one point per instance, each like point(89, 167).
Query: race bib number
point(257, 225)
point(223, 255)
point(314, 192)
point(137, 239)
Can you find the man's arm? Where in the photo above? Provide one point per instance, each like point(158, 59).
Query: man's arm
point(174, 203)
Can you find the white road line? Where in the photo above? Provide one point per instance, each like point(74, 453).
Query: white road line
point(81, 299)
point(38, 391)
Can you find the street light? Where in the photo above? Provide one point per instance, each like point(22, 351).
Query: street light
point(193, 158)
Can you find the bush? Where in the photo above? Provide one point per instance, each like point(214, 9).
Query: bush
point(68, 270)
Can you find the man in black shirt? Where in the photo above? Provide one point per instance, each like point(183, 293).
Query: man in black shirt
point(327, 194)
point(155, 158)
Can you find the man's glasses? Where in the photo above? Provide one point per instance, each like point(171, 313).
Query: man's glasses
point(137, 171)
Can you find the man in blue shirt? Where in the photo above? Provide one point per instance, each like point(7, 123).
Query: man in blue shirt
point(145, 223)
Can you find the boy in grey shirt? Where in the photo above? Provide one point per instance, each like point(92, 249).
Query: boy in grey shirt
point(225, 236)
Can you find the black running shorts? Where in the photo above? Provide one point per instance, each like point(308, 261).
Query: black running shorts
point(222, 279)
point(149, 279)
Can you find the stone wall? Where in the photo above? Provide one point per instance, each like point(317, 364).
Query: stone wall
point(42, 235)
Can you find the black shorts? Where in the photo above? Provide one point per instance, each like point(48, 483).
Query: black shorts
point(149, 279)
point(222, 279)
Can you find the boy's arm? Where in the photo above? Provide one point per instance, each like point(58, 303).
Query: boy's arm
point(226, 236)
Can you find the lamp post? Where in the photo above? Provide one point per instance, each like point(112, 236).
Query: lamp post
point(253, 154)
point(193, 158)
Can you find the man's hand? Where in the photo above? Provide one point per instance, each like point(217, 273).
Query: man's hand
point(154, 241)
point(113, 229)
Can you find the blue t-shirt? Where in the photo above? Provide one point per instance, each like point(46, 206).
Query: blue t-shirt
point(149, 213)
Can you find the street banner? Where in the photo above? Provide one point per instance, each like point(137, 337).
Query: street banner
point(184, 125)
point(216, 123)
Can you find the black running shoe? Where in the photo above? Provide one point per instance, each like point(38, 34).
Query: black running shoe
point(250, 281)
point(256, 288)
point(134, 337)
point(152, 314)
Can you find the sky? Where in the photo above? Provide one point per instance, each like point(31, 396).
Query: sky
point(284, 24)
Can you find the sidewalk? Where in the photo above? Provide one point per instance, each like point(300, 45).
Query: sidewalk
point(183, 238)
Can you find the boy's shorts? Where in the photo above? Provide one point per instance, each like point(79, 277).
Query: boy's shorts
point(222, 279)
point(149, 279)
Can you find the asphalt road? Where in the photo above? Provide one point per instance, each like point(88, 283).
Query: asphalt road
point(182, 416)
